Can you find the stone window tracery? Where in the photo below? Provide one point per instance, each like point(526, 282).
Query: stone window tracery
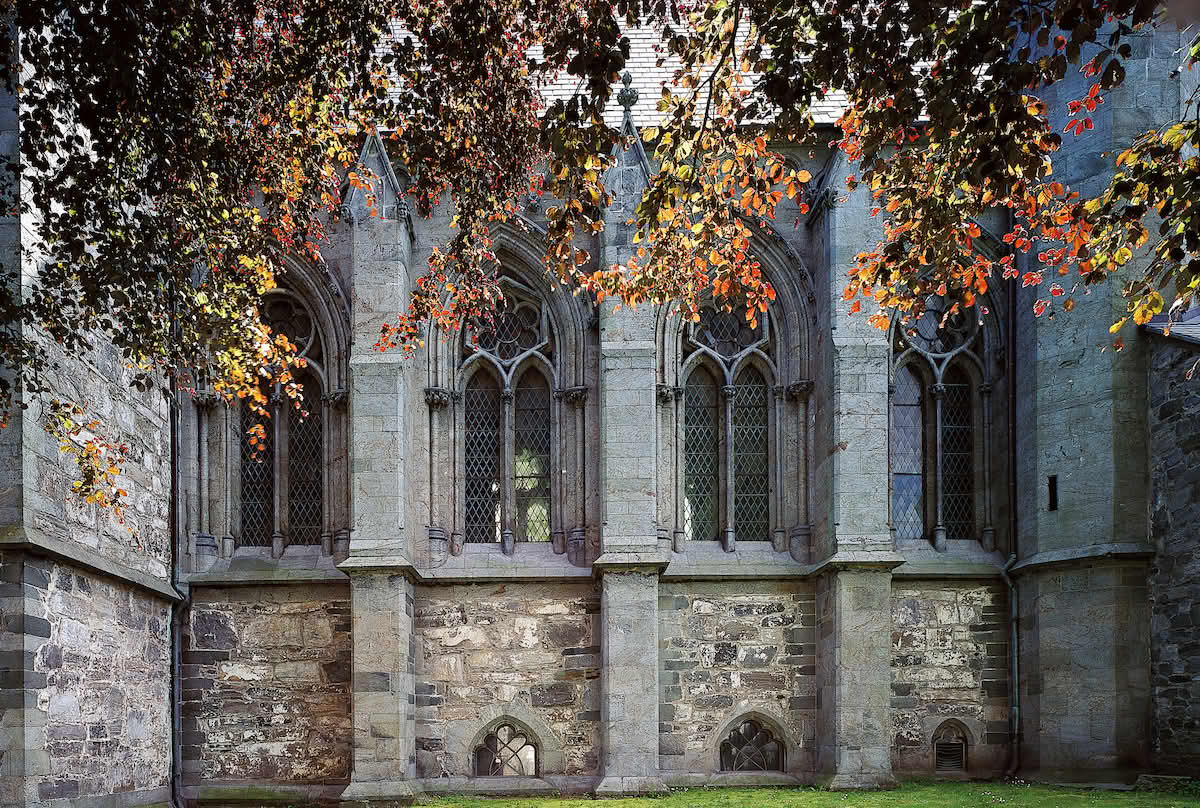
point(506, 752)
point(751, 747)
point(508, 425)
point(938, 448)
point(727, 429)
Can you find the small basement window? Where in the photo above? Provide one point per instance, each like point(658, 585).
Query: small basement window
point(506, 752)
point(950, 749)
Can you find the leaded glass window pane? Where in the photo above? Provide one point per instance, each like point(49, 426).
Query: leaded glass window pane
point(531, 457)
point(306, 465)
point(958, 457)
point(751, 489)
point(908, 456)
point(258, 482)
point(482, 443)
point(701, 448)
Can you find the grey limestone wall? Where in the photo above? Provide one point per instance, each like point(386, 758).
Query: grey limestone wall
point(101, 381)
point(949, 661)
point(515, 649)
point(86, 677)
point(729, 649)
point(1175, 571)
point(1085, 669)
point(266, 684)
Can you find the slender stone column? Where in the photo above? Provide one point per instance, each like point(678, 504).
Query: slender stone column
point(854, 631)
point(384, 701)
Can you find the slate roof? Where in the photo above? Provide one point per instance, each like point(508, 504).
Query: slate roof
point(649, 79)
point(1186, 328)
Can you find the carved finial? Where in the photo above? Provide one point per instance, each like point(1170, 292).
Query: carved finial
point(628, 96)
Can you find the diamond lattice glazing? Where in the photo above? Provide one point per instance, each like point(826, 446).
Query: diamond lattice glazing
point(258, 483)
point(701, 447)
point(958, 457)
point(908, 456)
point(482, 444)
point(306, 466)
point(531, 457)
point(751, 480)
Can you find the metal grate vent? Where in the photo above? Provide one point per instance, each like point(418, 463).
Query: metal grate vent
point(950, 756)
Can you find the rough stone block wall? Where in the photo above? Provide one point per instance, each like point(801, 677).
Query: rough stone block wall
point(90, 716)
point(490, 645)
point(1175, 572)
point(266, 684)
point(140, 420)
point(949, 661)
point(726, 649)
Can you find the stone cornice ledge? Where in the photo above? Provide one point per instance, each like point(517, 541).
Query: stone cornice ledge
point(20, 537)
point(857, 560)
point(631, 560)
point(393, 562)
point(947, 568)
point(255, 577)
point(1091, 552)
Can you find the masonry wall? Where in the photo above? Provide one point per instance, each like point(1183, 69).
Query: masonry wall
point(1175, 571)
point(266, 684)
point(86, 712)
point(1085, 669)
point(483, 646)
point(731, 648)
point(949, 661)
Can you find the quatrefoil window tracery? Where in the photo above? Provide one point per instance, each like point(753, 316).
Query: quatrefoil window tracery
point(728, 334)
point(515, 328)
point(751, 747)
point(286, 315)
point(506, 752)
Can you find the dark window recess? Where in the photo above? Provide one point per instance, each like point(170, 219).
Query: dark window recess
point(950, 748)
point(951, 757)
point(1052, 491)
point(506, 752)
point(750, 747)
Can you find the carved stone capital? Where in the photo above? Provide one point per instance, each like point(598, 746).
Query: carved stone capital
point(506, 396)
point(576, 396)
point(337, 398)
point(780, 391)
point(985, 389)
point(938, 390)
point(728, 390)
point(437, 397)
point(666, 393)
point(800, 389)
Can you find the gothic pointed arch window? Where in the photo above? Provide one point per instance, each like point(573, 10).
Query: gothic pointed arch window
point(506, 751)
point(508, 424)
point(283, 467)
point(938, 446)
point(729, 415)
point(751, 746)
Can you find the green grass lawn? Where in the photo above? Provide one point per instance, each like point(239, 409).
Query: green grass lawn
point(942, 795)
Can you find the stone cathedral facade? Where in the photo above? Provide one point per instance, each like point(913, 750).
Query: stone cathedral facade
point(613, 551)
